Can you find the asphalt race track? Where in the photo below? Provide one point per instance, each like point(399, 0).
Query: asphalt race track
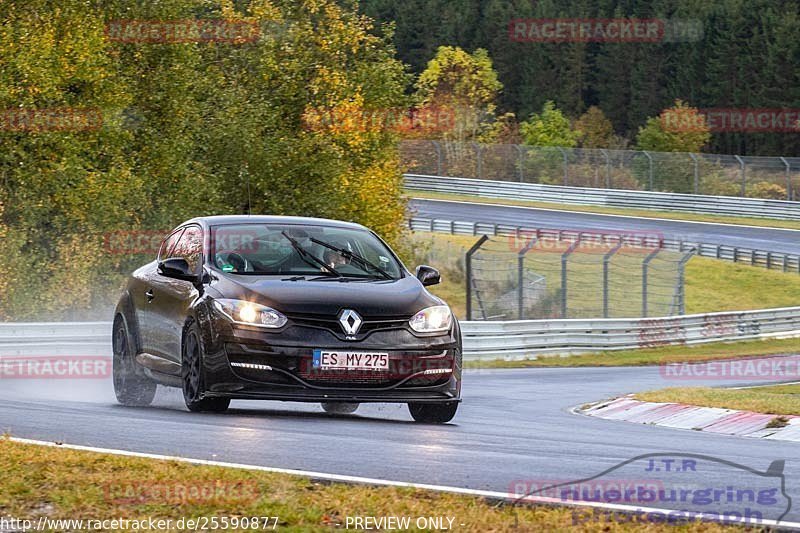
point(513, 425)
point(770, 239)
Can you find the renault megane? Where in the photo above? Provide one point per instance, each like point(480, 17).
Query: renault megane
point(285, 308)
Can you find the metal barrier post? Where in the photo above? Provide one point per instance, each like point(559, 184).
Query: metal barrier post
point(606, 258)
point(438, 148)
point(479, 159)
point(650, 173)
point(468, 268)
point(681, 279)
point(564, 257)
point(696, 173)
point(566, 166)
point(521, 278)
point(520, 163)
point(608, 168)
point(788, 178)
point(744, 175)
point(645, 264)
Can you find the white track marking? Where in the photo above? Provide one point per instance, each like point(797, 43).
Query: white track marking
point(387, 483)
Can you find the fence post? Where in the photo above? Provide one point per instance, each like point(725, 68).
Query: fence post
point(564, 257)
point(606, 258)
point(744, 175)
point(468, 269)
point(521, 279)
point(645, 264)
point(696, 173)
point(520, 163)
point(650, 172)
point(479, 159)
point(788, 178)
point(681, 278)
point(608, 168)
point(438, 148)
point(566, 166)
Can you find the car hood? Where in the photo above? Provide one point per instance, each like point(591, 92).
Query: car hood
point(389, 298)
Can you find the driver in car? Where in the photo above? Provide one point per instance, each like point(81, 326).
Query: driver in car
point(333, 258)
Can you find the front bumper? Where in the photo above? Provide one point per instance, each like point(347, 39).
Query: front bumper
point(248, 363)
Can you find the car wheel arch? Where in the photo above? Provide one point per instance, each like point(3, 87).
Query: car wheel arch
point(125, 310)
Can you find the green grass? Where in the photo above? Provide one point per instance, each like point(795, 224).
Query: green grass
point(774, 400)
point(67, 484)
point(713, 285)
point(643, 213)
point(655, 356)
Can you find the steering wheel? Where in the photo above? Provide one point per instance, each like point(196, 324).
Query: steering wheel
point(239, 262)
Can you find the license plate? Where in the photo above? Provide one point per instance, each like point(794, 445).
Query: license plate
point(331, 359)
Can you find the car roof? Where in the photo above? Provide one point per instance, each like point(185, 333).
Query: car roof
point(219, 220)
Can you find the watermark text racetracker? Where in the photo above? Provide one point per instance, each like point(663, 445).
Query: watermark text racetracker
point(590, 241)
point(211, 492)
point(55, 367)
point(49, 120)
point(182, 31)
point(598, 30)
point(776, 368)
point(732, 120)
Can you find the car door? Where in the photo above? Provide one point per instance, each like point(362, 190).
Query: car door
point(172, 298)
point(146, 283)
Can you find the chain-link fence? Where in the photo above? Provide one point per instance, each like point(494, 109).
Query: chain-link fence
point(710, 174)
point(568, 276)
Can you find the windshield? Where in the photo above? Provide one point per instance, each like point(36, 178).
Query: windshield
point(301, 250)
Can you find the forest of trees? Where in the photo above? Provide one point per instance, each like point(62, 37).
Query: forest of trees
point(745, 56)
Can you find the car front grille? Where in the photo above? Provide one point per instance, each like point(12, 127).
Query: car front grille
point(331, 324)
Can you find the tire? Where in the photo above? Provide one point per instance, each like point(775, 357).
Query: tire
point(193, 378)
point(433, 413)
point(130, 388)
point(339, 408)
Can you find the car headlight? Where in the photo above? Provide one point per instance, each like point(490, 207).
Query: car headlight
point(432, 319)
point(249, 313)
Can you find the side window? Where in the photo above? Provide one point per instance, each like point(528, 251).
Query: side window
point(168, 245)
point(190, 247)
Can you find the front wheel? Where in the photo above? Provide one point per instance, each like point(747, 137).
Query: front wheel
point(433, 413)
point(193, 384)
point(130, 388)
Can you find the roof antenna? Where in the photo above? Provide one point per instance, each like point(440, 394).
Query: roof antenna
point(245, 170)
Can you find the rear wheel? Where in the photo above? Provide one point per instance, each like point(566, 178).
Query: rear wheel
point(433, 413)
point(130, 388)
point(339, 408)
point(192, 377)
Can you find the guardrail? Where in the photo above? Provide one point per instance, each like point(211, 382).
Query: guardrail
point(762, 258)
point(691, 203)
point(38, 339)
point(533, 338)
point(510, 340)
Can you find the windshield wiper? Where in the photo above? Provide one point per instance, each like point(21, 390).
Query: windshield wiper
point(347, 254)
point(310, 258)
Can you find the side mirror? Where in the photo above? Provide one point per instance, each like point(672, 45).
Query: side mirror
point(178, 268)
point(428, 275)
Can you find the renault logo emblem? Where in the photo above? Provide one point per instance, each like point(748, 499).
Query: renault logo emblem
point(350, 321)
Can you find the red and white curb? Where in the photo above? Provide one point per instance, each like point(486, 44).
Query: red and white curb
point(709, 419)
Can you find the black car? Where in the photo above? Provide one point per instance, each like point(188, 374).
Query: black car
point(285, 308)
